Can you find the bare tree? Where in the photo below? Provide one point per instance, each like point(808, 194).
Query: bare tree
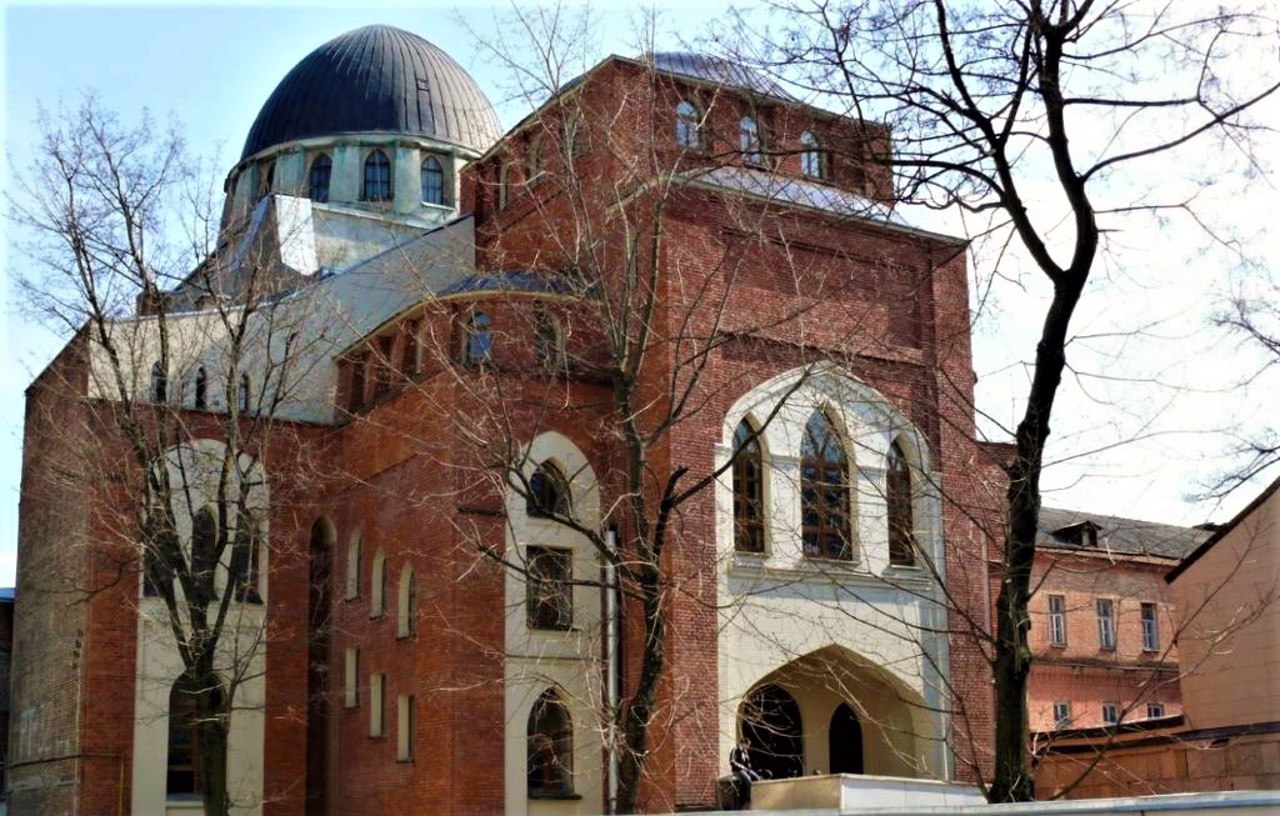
point(168, 391)
point(992, 112)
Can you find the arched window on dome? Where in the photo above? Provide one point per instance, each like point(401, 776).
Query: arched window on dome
point(748, 490)
point(688, 126)
point(321, 172)
point(750, 141)
point(550, 738)
point(433, 191)
point(377, 177)
point(813, 160)
point(898, 499)
point(824, 491)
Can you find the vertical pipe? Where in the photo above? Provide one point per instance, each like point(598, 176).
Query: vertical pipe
point(611, 610)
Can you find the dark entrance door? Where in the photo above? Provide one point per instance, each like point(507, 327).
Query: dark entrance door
point(844, 741)
point(771, 723)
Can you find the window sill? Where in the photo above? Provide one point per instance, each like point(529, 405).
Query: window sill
point(552, 796)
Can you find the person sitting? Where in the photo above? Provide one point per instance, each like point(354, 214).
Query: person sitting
point(743, 774)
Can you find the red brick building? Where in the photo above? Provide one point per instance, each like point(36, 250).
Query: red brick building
point(470, 326)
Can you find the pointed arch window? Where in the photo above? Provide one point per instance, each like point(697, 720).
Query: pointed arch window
point(548, 492)
point(688, 126)
point(533, 160)
point(321, 172)
point(202, 389)
point(750, 142)
point(184, 776)
point(898, 498)
point(550, 739)
point(748, 490)
point(377, 177)
point(479, 339)
point(159, 382)
point(433, 181)
point(407, 608)
point(813, 161)
point(504, 185)
point(824, 491)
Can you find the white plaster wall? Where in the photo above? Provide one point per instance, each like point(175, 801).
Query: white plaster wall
point(780, 606)
point(537, 660)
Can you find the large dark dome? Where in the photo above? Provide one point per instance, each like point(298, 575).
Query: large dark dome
point(376, 78)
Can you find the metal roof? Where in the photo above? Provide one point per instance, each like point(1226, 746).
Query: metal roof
point(1122, 536)
point(787, 190)
point(511, 281)
point(716, 69)
point(376, 78)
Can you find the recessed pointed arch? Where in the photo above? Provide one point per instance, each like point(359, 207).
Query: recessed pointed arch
point(825, 517)
point(748, 489)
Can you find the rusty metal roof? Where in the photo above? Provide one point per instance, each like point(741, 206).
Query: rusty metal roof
point(377, 78)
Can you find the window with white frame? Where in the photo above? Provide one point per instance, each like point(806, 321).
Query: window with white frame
point(1155, 710)
point(688, 126)
point(351, 678)
point(407, 608)
point(1150, 628)
point(406, 723)
point(1061, 714)
point(1057, 620)
point(353, 568)
point(748, 490)
point(1111, 713)
point(824, 491)
point(1106, 624)
point(750, 141)
point(813, 161)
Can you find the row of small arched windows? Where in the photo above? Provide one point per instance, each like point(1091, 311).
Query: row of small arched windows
point(159, 392)
point(826, 524)
point(406, 590)
point(377, 180)
point(752, 143)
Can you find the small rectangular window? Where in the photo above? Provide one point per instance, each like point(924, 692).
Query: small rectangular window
point(1155, 710)
point(377, 705)
point(1061, 714)
point(351, 678)
point(549, 588)
point(1111, 713)
point(1057, 620)
point(405, 724)
point(1150, 628)
point(1106, 624)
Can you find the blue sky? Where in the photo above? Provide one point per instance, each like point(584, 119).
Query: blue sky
point(213, 67)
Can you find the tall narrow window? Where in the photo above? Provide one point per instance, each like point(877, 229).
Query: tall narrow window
point(268, 179)
point(378, 584)
point(353, 568)
point(351, 678)
point(433, 181)
point(159, 382)
point(813, 161)
point(246, 554)
point(1150, 628)
point(1061, 714)
point(407, 606)
point(902, 546)
point(824, 491)
point(321, 171)
point(749, 141)
point(550, 737)
point(1111, 713)
point(504, 185)
point(549, 588)
point(1057, 620)
point(202, 389)
point(244, 393)
point(548, 492)
point(548, 343)
point(688, 126)
point(748, 490)
point(204, 545)
point(479, 339)
point(1106, 624)
point(377, 705)
point(406, 724)
point(184, 777)
point(377, 177)
point(533, 160)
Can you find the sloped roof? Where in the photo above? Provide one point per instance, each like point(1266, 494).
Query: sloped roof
point(716, 69)
point(377, 78)
point(1122, 536)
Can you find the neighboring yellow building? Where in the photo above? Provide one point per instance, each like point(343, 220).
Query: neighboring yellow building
point(1228, 639)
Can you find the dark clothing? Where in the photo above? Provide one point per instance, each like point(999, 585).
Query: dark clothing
point(740, 764)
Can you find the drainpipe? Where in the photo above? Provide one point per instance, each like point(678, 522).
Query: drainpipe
point(612, 610)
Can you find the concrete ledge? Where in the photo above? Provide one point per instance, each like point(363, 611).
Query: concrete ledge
point(847, 792)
